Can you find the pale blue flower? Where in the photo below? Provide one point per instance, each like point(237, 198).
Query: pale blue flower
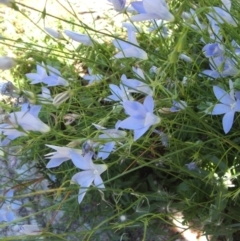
point(185, 58)
point(92, 78)
point(222, 16)
point(54, 33)
point(21, 122)
point(118, 5)
point(229, 105)
point(109, 136)
point(53, 79)
point(178, 105)
point(141, 116)
point(151, 9)
point(163, 137)
point(45, 97)
point(213, 50)
point(78, 37)
point(7, 210)
point(192, 17)
point(39, 75)
point(121, 93)
point(136, 86)
point(227, 4)
point(91, 173)
point(60, 155)
point(221, 67)
point(129, 49)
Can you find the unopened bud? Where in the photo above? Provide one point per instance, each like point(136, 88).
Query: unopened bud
point(61, 98)
point(6, 62)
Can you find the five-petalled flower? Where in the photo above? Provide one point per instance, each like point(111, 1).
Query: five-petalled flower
point(90, 174)
point(141, 116)
point(229, 105)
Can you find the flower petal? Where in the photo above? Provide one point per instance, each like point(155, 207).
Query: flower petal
point(220, 109)
point(139, 132)
point(227, 121)
point(222, 96)
point(131, 123)
point(149, 104)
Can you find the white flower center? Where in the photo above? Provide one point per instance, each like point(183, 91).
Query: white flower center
point(233, 105)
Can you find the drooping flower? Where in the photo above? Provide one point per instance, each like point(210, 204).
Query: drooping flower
point(213, 50)
point(21, 122)
point(178, 105)
point(92, 78)
point(78, 37)
point(222, 16)
point(185, 58)
point(136, 86)
point(221, 67)
point(6, 62)
point(29, 229)
point(45, 97)
point(118, 5)
point(227, 4)
point(109, 136)
point(129, 49)
point(229, 105)
point(7, 2)
point(54, 33)
point(151, 9)
point(90, 174)
point(41, 76)
point(59, 156)
point(119, 93)
point(7, 211)
point(192, 17)
point(141, 116)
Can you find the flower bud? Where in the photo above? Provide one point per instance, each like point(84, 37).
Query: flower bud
point(54, 33)
point(60, 98)
point(6, 62)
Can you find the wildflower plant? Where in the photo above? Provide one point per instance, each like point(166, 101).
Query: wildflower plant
point(126, 127)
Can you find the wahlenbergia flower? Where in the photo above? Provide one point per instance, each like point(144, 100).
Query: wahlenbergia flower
point(39, 75)
point(45, 97)
point(221, 16)
point(53, 79)
point(59, 156)
point(229, 105)
point(192, 16)
point(136, 86)
point(78, 37)
point(213, 50)
point(227, 4)
point(8, 208)
point(178, 105)
point(121, 93)
point(129, 49)
point(21, 122)
point(109, 136)
point(141, 116)
point(7, 2)
point(151, 9)
point(91, 78)
point(6, 62)
point(118, 5)
point(221, 67)
point(91, 173)
point(185, 58)
point(54, 33)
